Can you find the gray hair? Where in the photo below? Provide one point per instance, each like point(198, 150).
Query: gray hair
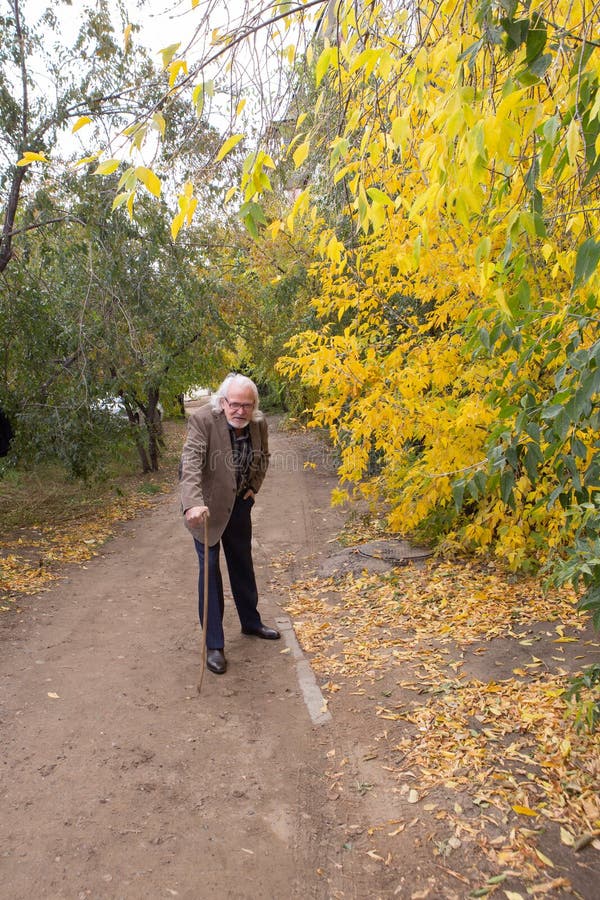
point(242, 381)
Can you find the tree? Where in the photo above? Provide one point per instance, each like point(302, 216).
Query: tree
point(94, 83)
point(104, 306)
point(468, 358)
point(92, 305)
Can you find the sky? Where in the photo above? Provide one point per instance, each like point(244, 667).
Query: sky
point(258, 66)
point(167, 22)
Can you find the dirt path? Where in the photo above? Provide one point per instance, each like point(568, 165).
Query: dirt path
point(118, 781)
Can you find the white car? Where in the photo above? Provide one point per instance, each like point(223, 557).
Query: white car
point(116, 407)
point(196, 393)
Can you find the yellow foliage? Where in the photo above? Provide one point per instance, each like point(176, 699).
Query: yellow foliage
point(441, 194)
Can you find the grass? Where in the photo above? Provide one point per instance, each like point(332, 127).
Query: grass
point(47, 495)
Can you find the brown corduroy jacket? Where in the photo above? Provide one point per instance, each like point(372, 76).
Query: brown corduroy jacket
point(207, 469)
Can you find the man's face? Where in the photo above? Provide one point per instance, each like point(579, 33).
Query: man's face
point(238, 406)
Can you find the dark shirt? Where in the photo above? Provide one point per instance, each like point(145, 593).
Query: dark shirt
point(241, 447)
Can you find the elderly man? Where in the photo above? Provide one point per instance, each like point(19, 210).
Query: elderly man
point(223, 464)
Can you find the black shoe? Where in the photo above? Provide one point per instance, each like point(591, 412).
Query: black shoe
point(216, 662)
point(263, 631)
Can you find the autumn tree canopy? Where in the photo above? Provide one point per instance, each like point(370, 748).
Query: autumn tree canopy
point(443, 168)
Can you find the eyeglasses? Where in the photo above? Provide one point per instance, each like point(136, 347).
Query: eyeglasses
point(243, 406)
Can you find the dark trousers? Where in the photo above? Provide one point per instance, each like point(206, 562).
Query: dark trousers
point(237, 546)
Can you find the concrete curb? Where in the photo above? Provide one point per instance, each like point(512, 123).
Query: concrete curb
point(313, 698)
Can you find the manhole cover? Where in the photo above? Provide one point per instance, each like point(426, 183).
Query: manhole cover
point(394, 551)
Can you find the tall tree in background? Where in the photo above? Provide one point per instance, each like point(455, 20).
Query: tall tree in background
point(49, 84)
point(96, 303)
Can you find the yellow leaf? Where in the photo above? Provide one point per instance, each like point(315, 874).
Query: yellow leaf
point(380, 197)
point(85, 160)
point(338, 497)
point(176, 224)
point(30, 156)
point(191, 210)
point(301, 153)
point(240, 106)
point(400, 130)
point(177, 66)
point(159, 122)
point(228, 146)
point(168, 53)
point(127, 36)
point(119, 200)
point(326, 59)
point(53, 696)
point(573, 141)
point(108, 167)
point(149, 180)
point(81, 121)
point(501, 301)
point(127, 179)
point(525, 811)
point(544, 859)
point(512, 895)
point(566, 837)
point(198, 99)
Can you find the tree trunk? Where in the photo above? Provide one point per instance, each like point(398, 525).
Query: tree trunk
point(154, 427)
point(9, 218)
point(145, 459)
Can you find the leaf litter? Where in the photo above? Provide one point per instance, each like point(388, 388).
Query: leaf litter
point(509, 744)
point(30, 559)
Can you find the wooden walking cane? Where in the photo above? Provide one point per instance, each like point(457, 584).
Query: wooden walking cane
point(205, 604)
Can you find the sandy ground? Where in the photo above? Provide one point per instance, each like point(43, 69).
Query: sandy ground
point(119, 781)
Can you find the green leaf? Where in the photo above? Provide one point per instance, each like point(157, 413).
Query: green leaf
point(587, 260)
point(551, 411)
point(535, 43)
point(254, 210)
point(507, 483)
point(251, 214)
point(168, 53)
point(578, 448)
point(251, 226)
point(458, 491)
point(533, 457)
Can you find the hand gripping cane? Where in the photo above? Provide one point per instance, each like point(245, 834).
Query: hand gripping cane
point(205, 604)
